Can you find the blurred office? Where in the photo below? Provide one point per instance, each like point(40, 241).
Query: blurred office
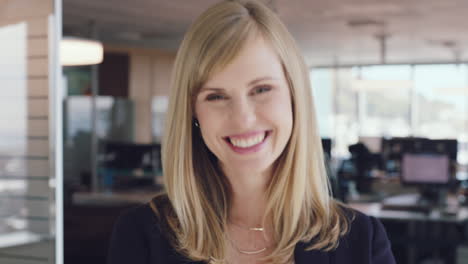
point(81, 141)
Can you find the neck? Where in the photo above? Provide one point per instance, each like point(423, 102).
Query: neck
point(248, 197)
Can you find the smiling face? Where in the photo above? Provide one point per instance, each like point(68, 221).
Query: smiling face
point(244, 110)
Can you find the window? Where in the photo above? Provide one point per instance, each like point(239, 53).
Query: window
point(392, 101)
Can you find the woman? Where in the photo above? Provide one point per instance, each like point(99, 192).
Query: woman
point(242, 158)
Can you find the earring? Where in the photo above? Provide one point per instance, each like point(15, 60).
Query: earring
point(195, 122)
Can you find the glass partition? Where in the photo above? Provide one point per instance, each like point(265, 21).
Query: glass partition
point(27, 157)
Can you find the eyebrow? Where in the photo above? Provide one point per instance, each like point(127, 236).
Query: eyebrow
point(257, 80)
point(253, 82)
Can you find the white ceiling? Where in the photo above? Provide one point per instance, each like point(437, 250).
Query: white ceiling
point(420, 31)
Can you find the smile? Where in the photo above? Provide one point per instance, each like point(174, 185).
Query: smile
point(246, 143)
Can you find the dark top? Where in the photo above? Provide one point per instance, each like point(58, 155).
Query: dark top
point(137, 239)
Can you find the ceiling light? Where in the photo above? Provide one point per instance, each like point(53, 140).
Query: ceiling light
point(376, 85)
point(80, 52)
point(452, 91)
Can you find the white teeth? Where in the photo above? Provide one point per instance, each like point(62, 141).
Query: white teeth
point(245, 143)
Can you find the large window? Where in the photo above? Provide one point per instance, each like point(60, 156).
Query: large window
point(384, 100)
point(392, 101)
point(441, 106)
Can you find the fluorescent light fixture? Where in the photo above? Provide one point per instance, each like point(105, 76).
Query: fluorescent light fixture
point(79, 52)
point(455, 91)
point(376, 85)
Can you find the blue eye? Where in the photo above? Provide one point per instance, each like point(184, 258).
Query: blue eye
point(214, 97)
point(262, 89)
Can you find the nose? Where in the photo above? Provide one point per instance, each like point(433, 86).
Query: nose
point(242, 113)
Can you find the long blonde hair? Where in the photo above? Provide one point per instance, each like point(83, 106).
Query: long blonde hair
point(299, 201)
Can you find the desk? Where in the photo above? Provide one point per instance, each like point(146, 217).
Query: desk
point(89, 220)
point(111, 198)
point(436, 215)
point(435, 224)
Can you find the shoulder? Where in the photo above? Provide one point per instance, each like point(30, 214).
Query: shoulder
point(137, 237)
point(360, 223)
point(136, 218)
point(366, 240)
point(361, 226)
point(146, 218)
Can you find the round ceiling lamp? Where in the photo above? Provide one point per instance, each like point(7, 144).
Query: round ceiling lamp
point(80, 52)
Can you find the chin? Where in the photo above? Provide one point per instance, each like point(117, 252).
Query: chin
point(253, 166)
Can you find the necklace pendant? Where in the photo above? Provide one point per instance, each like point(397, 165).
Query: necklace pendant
point(252, 252)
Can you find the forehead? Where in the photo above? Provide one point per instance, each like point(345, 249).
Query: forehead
point(256, 59)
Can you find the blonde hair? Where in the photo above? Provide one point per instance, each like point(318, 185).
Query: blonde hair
point(299, 201)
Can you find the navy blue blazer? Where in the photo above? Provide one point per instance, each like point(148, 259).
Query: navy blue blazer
point(137, 239)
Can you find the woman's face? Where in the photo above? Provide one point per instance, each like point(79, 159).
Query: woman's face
point(245, 111)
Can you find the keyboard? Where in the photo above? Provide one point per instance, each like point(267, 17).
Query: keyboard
point(406, 202)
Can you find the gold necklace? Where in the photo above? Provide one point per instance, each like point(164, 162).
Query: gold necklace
point(261, 229)
point(247, 252)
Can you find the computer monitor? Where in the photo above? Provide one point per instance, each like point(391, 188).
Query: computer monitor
point(125, 155)
point(128, 165)
point(425, 169)
point(394, 149)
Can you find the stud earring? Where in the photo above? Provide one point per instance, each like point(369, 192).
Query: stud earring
point(196, 123)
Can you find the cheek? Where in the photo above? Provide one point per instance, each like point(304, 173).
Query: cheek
point(281, 111)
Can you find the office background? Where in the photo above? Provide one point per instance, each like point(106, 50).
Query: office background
point(79, 144)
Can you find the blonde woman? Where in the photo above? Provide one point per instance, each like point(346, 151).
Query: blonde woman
point(244, 173)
